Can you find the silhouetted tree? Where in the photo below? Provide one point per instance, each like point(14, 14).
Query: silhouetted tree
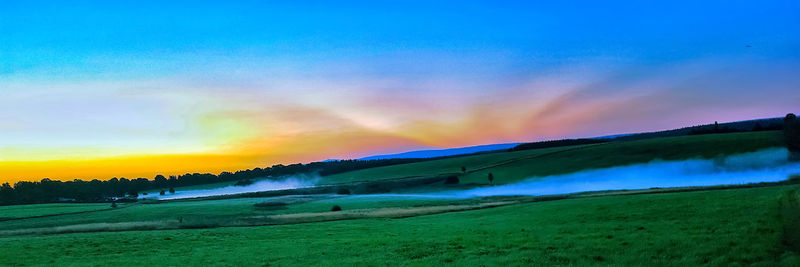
point(491, 178)
point(336, 208)
point(6, 194)
point(113, 204)
point(172, 190)
point(791, 134)
point(162, 192)
point(160, 181)
point(463, 169)
point(716, 127)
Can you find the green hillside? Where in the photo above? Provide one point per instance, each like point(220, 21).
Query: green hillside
point(510, 167)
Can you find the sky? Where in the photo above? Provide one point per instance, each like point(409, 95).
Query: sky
point(101, 89)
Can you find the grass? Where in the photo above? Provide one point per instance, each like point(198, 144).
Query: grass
point(746, 226)
point(214, 210)
point(21, 211)
point(435, 167)
point(724, 227)
point(509, 167)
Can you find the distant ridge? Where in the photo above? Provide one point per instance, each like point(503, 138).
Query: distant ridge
point(433, 153)
point(736, 126)
point(767, 124)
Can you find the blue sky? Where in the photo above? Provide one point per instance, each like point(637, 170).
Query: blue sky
point(261, 82)
point(148, 38)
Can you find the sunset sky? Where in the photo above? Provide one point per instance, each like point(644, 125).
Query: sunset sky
point(100, 90)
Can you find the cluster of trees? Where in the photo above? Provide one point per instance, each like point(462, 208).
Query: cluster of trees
point(47, 190)
point(770, 124)
point(716, 128)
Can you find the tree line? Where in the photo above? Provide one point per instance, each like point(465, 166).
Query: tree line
point(717, 128)
point(47, 190)
point(770, 124)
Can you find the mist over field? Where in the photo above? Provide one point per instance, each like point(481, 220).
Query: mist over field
point(769, 165)
point(298, 181)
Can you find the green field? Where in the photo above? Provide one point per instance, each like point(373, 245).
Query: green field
point(721, 227)
point(725, 227)
point(207, 211)
point(509, 167)
point(22, 211)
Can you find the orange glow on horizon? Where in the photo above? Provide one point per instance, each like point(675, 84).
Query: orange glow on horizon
point(128, 167)
point(89, 132)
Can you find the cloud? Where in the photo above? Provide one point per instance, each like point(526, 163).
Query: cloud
point(269, 119)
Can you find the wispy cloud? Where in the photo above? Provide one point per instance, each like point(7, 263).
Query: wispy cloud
point(109, 82)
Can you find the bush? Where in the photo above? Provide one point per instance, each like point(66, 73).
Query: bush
point(113, 204)
point(162, 193)
point(336, 208)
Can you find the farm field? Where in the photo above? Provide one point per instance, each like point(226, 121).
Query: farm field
point(722, 227)
point(511, 167)
point(433, 224)
point(373, 133)
point(210, 210)
point(22, 211)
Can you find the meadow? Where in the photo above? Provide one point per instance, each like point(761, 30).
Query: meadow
point(509, 167)
point(725, 225)
point(722, 227)
point(38, 210)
